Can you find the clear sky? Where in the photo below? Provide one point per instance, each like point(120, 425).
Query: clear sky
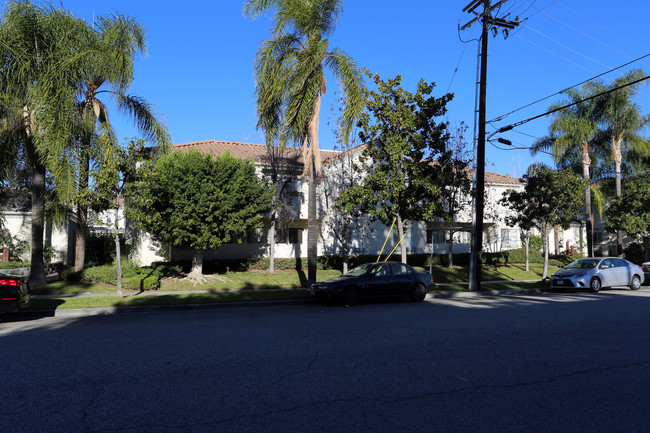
point(199, 68)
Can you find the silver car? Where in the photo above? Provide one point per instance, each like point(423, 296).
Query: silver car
point(594, 273)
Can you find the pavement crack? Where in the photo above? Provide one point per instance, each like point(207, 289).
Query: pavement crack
point(519, 384)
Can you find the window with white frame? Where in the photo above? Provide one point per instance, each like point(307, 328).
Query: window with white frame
point(509, 238)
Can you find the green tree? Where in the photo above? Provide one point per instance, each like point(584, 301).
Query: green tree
point(622, 121)
point(41, 52)
point(109, 72)
point(457, 194)
point(407, 165)
point(194, 200)
point(290, 76)
point(573, 133)
point(631, 212)
point(550, 199)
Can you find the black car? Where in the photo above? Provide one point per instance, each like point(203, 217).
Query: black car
point(375, 279)
point(14, 294)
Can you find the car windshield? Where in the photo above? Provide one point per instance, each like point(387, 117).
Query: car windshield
point(359, 270)
point(584, 264)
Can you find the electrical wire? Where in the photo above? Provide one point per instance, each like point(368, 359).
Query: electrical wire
point(555, 54)
point(521, 122)
point(499, 118)
point(566, 47)
point(586, 35)
point(602, 27)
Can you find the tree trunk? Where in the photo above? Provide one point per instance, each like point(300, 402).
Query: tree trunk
point(450, 253)
point(272, 244)
point(616, 153)
point(37, 266)
point(118, 252)
point(586, 161)
point(197, 264)
point(400, 233)
point(82, 217)
point(546, 236)
point(527, 245)
point(312, 229)
point(556, 240)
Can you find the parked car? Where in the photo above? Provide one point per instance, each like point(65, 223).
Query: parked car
point(375, 279)
point(596, 273)
point(646, 271)
point(14, 294)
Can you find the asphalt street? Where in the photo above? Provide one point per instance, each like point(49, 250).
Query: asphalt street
point(550, 362)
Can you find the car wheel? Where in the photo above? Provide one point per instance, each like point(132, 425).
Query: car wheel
point(594, 285)
point(418, 293)
point(636, 283)
point(351, 296)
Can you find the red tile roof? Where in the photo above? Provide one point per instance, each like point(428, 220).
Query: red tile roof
point(293, 155)
point(255, 152)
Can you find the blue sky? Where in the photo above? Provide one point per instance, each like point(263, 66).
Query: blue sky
point(199, 68)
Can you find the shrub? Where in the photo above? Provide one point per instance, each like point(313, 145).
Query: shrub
point(133, 277)
point(100, 248)
point(635, 253)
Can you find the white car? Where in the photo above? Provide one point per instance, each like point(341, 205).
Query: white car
point(646, 271)
point(594, 273)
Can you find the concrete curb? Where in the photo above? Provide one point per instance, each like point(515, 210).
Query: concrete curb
point(88, 312)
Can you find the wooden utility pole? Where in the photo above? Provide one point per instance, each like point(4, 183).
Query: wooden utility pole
point(488, 22)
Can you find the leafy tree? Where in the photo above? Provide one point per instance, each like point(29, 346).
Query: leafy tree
point(550, 198)
point(108, 72)
point(111, 183)
point(345, 222)
point(41, 51)
point(290, 75)
point(198, 201)
point(457, 194)
point(622, 121)
point(631, 211)
point(573, 133)
point(279, 173)
point(407, 165)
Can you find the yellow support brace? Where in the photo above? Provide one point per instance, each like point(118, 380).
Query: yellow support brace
point(383, 246)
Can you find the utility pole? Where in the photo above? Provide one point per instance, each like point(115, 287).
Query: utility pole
point(488, 22)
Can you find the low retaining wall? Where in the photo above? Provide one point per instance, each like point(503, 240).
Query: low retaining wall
point(51, 269)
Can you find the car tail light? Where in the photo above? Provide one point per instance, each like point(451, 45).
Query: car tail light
point(10, 282)
point(9, 299)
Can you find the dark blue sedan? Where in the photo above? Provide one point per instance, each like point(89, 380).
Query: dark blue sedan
point(375, 279)
point(14, 294)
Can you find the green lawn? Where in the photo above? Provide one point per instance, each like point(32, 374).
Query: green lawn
point(258, 286)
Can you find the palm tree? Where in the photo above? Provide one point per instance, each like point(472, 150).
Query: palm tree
point(290, 77)
point(115, 44)
point(40, 53)
point(573, 132)
point(622, 120)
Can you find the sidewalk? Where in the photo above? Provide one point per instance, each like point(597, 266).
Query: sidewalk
point(82, 312)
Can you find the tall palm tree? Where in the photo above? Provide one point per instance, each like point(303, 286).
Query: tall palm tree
point(622, 119)
point(290, 79)
point(573, 132)
point(40, 53)
point(115, 43)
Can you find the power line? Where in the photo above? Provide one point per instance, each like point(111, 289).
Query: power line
point(521, 122)
point(586, 35)
point(568, 48)
point(602, 27)
point(497, 119)
point(555, 54)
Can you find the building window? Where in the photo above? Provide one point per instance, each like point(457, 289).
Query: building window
point(436, 236)
point(464, 237)
point(289, 235)
point(509, 238)
point(598, 236)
